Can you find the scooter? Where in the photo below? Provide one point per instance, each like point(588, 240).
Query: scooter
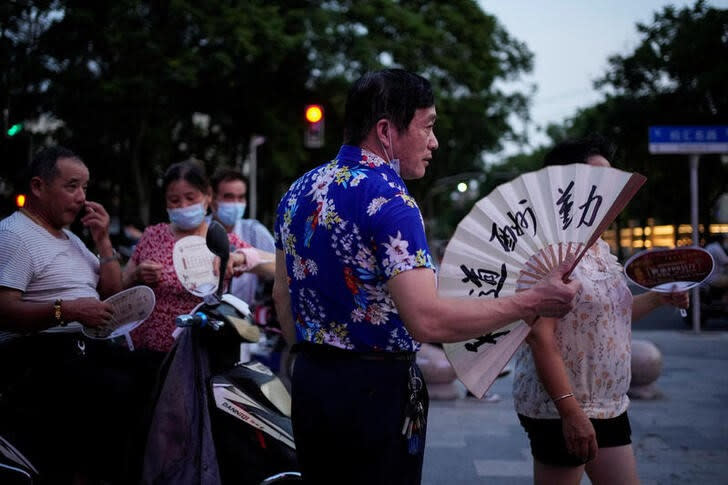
point(15, 469)
point(243, 416)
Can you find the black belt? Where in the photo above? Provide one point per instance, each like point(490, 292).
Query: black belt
point(55, 346)
point(329, 351)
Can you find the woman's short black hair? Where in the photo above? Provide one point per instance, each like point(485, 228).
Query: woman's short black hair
point(578, 150)
point(394, 94)
point(191, 172)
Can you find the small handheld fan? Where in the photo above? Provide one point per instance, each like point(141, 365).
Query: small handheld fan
point(666, 270)
point(515, 236)
point(193, 263)
point(131, 307)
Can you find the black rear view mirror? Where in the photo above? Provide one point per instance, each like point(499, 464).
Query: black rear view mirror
point(218, 242)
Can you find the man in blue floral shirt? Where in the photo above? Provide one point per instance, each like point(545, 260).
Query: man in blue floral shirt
point(355, 286)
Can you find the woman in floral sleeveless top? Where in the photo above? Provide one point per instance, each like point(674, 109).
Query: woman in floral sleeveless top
point(571, 380)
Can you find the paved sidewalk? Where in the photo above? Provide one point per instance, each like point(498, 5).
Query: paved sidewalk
point(679, 438)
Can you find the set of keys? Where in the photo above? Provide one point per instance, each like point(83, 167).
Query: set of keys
point(414, 421)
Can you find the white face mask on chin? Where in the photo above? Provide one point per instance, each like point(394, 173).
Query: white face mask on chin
point(393, 162)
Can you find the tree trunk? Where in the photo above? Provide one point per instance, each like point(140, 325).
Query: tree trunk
point(140, 186)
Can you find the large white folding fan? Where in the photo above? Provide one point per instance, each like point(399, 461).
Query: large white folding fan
point(513, 237)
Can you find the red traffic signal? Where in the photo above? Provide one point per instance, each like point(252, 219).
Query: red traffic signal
point(314, 134)
point(314, 113)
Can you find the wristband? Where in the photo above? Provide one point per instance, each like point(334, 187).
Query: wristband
point(58, 313)
point(108, 259)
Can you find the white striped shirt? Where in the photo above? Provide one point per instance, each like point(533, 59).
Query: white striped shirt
point(44, 267)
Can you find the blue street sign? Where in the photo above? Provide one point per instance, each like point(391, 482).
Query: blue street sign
point(688, 139)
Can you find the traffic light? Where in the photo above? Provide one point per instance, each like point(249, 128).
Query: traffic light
point(15, 129)
point(314, 135)
point(20, 200)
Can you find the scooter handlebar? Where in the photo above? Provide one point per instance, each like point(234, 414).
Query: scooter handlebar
point(198, 319)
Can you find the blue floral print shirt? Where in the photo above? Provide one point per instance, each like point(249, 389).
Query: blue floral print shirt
point(347, 227)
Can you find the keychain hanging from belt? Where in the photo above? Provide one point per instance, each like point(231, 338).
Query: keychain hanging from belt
point(414, 418)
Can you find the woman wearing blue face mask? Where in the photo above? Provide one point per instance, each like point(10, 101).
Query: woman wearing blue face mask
point(187, 193)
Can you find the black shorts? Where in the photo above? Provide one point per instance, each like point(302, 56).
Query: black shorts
point(549, 446)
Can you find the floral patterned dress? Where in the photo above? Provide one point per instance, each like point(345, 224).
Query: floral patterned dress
point(346, 228)
point(157, 244)
point(595, 343)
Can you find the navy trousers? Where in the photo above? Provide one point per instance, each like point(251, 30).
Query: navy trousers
point(347, 420)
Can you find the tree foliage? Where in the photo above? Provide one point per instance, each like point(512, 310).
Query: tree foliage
point(675, 76)
point(130, 79)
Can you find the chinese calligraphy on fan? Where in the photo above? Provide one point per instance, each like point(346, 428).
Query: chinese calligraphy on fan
point(489, 338)
point(508, 235)
point(589, 209)
point(479, 277)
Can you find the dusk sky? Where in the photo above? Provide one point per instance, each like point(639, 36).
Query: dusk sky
point(571, 41)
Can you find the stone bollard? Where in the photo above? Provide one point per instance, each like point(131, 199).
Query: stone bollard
point(438, 373)
point(646, 368)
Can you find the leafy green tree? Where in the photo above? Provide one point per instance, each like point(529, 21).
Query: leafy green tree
point(675, 76)
point(135, 73)
point(128, 77)
point(142, 84)
point(463, 51)
point(22, 78)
